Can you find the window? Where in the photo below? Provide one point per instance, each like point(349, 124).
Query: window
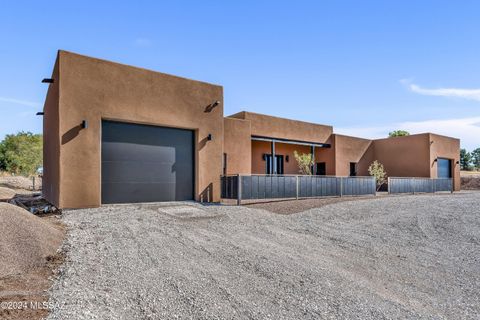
point(278, 164)
point(224, 164)
point(353, 169)
point(321, 168)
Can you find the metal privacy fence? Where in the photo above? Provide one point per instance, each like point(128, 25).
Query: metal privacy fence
point(247, 187)
point(419, 185)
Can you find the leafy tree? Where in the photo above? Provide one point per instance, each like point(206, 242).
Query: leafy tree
point(21, 153)
point(475, 155)
point(398, 133)
point(465, 159)
point(377, 170)
point(304, 161)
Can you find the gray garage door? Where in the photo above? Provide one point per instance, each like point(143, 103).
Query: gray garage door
point(146, 163)
point(444, 168)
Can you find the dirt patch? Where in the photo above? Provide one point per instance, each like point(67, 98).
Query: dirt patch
point(470, 183)
point(20, 183)
point(29, 250)
point(295, 206)
point(6, 193)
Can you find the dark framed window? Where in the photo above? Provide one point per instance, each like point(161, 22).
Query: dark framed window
point(224, 164)
point(353, 169)
point(321, 168)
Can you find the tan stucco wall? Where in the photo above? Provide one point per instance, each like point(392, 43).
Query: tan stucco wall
point(351, 149)
point(448, 148)
point(404, 156)
point(327, 155)
point(274, 127)
point(237, 146)
point(51, 141)
point(94, 89)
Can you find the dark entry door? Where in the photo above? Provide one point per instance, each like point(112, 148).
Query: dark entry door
point(278, 164)
point(143, 163)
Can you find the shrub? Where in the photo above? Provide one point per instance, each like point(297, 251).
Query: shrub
point(377, 170)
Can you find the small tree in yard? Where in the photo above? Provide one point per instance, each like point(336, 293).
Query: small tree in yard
point(304, 161)
point(476, 158)
point(465, 160)
point(376, 170)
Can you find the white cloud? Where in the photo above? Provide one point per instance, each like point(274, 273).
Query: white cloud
point(466, 129)
point(142, 42)
point(20, 102)
point(470, 94)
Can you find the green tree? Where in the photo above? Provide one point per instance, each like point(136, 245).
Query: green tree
point(465, 159)
point(398, 133)
point(377, 170)
point(475, 155)
point(304, 162)
point(21, 153)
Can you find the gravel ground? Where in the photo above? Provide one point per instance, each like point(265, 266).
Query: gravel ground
point(411, 257)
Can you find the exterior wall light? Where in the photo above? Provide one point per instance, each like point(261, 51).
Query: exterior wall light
point(436, 159)
point(40, 113)
point(47, 80)
point(287, 158)
point(84, 124)
point(209, 137)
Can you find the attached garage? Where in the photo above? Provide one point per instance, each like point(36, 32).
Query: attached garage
point(143, 163)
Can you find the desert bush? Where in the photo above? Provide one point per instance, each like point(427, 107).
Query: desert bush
point(377, 170)
point(304, 162)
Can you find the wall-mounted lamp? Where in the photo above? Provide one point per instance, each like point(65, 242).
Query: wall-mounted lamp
point(458, 162)
point(209, 137)
point(435, 160)
point(84, 124)
point(211, 106)
point(40, 113)
point(287, 158)
point(264, 156)
point(47, 80)
point(431, 142)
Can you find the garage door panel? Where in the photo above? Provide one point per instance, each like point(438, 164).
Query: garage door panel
point(116, 151)
point(143, 163)
point(129, 172)
point(138, 192)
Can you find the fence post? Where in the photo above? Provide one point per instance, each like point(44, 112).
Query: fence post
point(388, 185)
point(434, 182)
point(239, 190)
point(341, 186)
point(413, 182)
point(33, 182)
point(296, 186)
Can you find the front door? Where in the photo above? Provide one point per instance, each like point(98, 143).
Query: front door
point(277, 166)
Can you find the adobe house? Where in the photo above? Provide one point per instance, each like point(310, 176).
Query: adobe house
point(116, 134)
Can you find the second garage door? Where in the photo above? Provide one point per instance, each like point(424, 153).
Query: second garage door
point(143, 163)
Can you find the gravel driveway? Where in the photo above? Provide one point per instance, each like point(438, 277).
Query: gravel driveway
point(393, 257)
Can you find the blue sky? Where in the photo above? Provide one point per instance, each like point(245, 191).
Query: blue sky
point(365, 67)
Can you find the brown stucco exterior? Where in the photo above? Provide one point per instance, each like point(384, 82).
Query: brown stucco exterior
point(275, 127)
point(239, 152)
point(90, 89)
point(410, 156)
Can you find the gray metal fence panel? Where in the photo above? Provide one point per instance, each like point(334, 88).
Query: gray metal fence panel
point(285, 186)
point(419, 185)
